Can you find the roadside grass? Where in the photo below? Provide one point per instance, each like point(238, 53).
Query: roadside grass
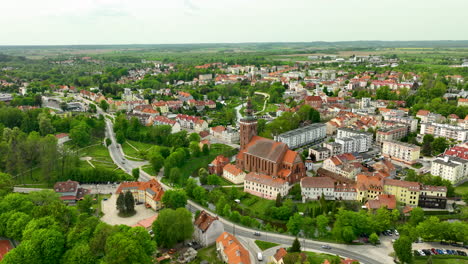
point(318, 258)
point(209, 254)
point(263, 245)
point(461, 189)
point(439, 259)
point(149, 169)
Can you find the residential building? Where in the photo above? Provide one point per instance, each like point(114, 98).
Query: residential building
point(205, 77)
point(433, 197)
point(345, 191)
point(319, 154)
point(192, 122)
point(303, 136)
point(312, 188)
point(233, 174)
point(462, 102)
point(149, 192)
point(266, 156)
point(226, 134)
point(428, 117)
point(457, 151)
point(353, 144)
point(277, 258)
point(207, 229)
point(402, 152)
point(450, 168)
point(391, 133)
point(217, 165)
point(345, 165)
point(62, 138)
point(314, 101)
point(410, 122)
point(162, 120)
point(444, 130)
point(70, 191)
point(368, 187)
point(265, 186)
point(404, 191)
point(383, 200)
point(347, 132)
point(231, 250)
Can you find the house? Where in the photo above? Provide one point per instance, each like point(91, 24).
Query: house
point(217, 165)
point(229, 134)
point(231, 250)
point(5, 246)
point(149, 192)
point(70, 191)
point(147, 222)
point(345, 165)
point(62, 138)
point(265, 186)
point(207, 229)
point(277, 258)
point(192, 122)
point(312, 188)
point(233, 174)
point(382, 200)
point(162, 120)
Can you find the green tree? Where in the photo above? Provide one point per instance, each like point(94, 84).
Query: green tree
point(6, 184)
point(416, 216)
point(439, 145)
point(194, 137)
point(322, 224)
point(296, 246)
point(403, 251)
point(295, 224)
point(104, 105)
point(195, 149)
point(427, 149)
point(124, 247)
point(213, 179)
point(348, 234)
point(79, 254)
point(120, 203)
point(199, 194)
point(136, 173)
point(45, 125)
point(120, 137)
point(157, 162)
point(374, 238)
point(173, 226)
point(174, 199)
point(15, 225)
point(108, 142)
point(175, 175)
point(129, 201)
point(279, 201)
point(86, 205)
point(206, 149)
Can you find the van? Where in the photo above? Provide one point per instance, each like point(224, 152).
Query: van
point(259, 256)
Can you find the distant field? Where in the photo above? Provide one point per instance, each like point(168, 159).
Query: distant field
point(462, 189)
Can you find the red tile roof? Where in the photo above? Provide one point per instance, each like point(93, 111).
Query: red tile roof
point(68, 186)
point(382, 200)
point(151, 185)
point(233, 249)
point(5, 246)
point(265, 179)
point(317, 182)
point(204, 221)
point(231, 168)
point(280, 253)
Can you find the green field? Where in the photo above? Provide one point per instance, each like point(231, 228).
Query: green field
point(209, 254)
point(139, 152)
point(460, 190)
point(442, 260)
point(318, 258)
point(263, 245)
point(193, 164)
point(100, 157)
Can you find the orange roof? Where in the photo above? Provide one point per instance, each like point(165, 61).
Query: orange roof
point(231, 168)
point(365, 182)
point(265, 180)
point(204, 220)
point(233, 249)
point(413, 186)
point(280, 253)
point(423, 113)
point(218, 129)
point(146, 223)
point(5, 246)
point(220, 159)
point(61, 135)
point(290, 156)
point(464, 100)
point(152, 186)
point(382, 200)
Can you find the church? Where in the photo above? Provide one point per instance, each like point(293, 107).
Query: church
point(266, 156)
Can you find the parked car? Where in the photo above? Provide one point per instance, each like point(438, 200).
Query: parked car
point(434, 251)
point(461, 253)
point(416, 253)
point(427, 252)
point(421, 253)
point(256, 233)
point(259, 256)
point(326, 247)
point(444, 251)
point(396, 233)
point(439, 252)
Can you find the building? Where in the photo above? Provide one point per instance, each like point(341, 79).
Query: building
point(319, 154)
point(410, 122)
point(62, 138)
point(217, 165)
point(205, 77)
point(404, 191)
point(149, 192)
point(266, 156)
point(353, 144)
point(162, 120)
point(5, 247)
point(347, 132)
point(368, 187)
point(277, 258)
point(433, 197)
point(402, 152)
point(457, 151)
point(233, 174)
point(450, 168)
point(314, 101)
point(382, 200)
point(312, 188)
point(70, 191)
point(345, 165)
point(265, 186)
point(391, 133)
point(226, 134)
point(207, 229)
point(304, 135)
point(231, 250)
point(444, 130)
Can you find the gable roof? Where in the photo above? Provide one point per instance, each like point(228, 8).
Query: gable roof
point(266, 148)
point(233, 249)
point(280, 253)
point(68, 186)
point(204, 220)
point(386, 200)
point(152, 186)
point(317, 182)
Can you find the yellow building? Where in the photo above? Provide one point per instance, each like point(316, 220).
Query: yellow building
point(405, 192)
point(149, 192)
point(368, 187)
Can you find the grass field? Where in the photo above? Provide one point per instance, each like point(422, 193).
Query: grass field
point(460, 190)
point(100, 157)
point(141, 148)
point(209, 254)
point(194, 164)
point(263, 245)
point(318, 258)
point(442, 260)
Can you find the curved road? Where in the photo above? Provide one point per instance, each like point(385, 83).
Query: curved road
point(355, 252)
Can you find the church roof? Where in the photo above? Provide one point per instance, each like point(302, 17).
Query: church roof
point(266, 148)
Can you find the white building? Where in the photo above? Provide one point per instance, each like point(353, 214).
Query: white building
point(265, 186)
point(445, 130)
point(353, 144)
point(347, 132)
point(303, 136)
point(406, 120)
point(226, 134)
point(312, 188)
point(233, 174)
point(207, 229)
point(402, 152)
point(450, 168)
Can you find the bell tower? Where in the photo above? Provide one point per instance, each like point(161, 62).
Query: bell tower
point(248, 125)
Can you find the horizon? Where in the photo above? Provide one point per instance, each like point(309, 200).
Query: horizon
point(146, 22)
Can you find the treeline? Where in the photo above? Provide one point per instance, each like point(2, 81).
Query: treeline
point(50, 232)
point(96, 175)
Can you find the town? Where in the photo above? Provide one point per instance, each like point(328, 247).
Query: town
point(338, 157)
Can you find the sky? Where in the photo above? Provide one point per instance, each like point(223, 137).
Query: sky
point(78, 22)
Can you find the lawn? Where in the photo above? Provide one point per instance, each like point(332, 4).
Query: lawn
point(318, 258)
point(209, 254)
point(140, 146)
point(193, 164)
point(461, 189)
point(263, 245)
point(100, 156)
point(442, 260)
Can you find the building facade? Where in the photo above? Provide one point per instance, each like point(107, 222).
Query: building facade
point(347, 132)
point(265, 186)
point(444, 130)
point(233, 174)
point(149, 192)
point(450, 168)
point(303, 136)
point(391, 133)
point(207, 229)
point(402, 152)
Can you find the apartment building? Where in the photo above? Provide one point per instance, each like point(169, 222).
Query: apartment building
point(347, 132)
point(450, 168)
point(265, 186)
point(405, 192)
point(444, 130)
point(402, 152)
point(303, 136)
point(409, 121)
point(353, 144)
point(345, 165)
point(391, 133)
point(433, 197)
point(313, 188)
point(368, 187)
point(230, 250)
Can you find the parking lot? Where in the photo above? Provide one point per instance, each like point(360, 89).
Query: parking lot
point(434, 248)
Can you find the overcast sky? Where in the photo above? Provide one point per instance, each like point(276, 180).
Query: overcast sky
point(56, 22)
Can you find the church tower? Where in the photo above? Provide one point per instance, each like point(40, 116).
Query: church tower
point(248, 125)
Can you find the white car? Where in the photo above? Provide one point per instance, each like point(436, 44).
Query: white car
point(396, 233)
point(421, 253)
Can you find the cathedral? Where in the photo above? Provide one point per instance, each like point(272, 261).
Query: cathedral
point(266, 156)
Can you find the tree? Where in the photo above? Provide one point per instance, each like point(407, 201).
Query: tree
point(322, 224)
point(402, 247)
point(175, 174)
point(80, 135)
point(348, 234)
point(121, 203)
point(194, 137)
point(295, 224)
point(6, 184)
point(199, 194)
point(213, 179)
point(173, 226)
point(104, 105)
point(206, 149)
point(439, 145)
point(86, 205)
point(157, 162)
point(195, 149)
point(79, 254)
point(120, 137)
point(129, 203)
point(296, 246)
point(45, 125)
point(374, 238)
point(416, 216)
point(427, 149)
point(136, 173)
point(125, 247)
point(174, 199)
point(278, 202)
point(15, 225)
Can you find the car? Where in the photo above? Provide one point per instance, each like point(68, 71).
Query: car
point(390, 232)
point(189, 244)
point(396, 233)
point(434, 251)
point(427, 252)
point(444, 251)
point(105, 199)
point(439, 252)
point(461, 253)
point(256, 233)
point(456, 245)
point(416, 253)
point(421, 253)
point(259, 256)
point(326, 247)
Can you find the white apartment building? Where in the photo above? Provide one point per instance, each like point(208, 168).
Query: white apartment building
point(347, 132)
point(353, 144)
point(312, 188)
point(391, 133)
point(406, 120)
point(399, 151)
point(450, 168)
point(265, 186)
point(445, 130)
point(303, 136)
